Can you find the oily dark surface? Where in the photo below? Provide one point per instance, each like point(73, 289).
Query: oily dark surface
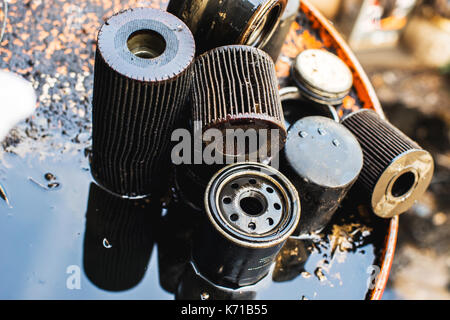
point(45, 230)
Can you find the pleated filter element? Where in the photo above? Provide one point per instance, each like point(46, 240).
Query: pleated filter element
point(141, 80)
point(396, 170)
point(235, 87)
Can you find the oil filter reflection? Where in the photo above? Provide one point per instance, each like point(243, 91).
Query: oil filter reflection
point(119, 239)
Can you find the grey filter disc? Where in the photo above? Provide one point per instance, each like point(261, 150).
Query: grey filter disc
point(323, 76)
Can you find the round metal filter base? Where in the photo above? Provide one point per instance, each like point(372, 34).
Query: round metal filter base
point(402, 183)
point(322, 75)
point(252, 204)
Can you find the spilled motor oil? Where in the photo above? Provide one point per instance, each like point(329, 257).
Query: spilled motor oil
point(50, 234)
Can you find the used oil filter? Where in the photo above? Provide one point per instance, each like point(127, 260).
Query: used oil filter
point(235, 87)
point(217, 23)
point(141, 80)
point(322, 77)
point(396, 171)
point(119, 239)
point(323, 159)
point(275, 43)
point(296, 108)
point(251, 210)
point(191, 182)
point(193, 286)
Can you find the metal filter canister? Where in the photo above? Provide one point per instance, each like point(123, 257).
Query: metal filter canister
point(193, 286)
point(276, 41)
point(141, 80)
point(235, 87)
point(251, 210)
point(323, 159)
point(396, 171)
point(217, 23)
point(296, 108)
point(322, 77)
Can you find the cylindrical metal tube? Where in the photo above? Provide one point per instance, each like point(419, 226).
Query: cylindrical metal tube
point(216, 23)
point(119, 239)
point(296, 108)
point(193, 286)
point(322, 77)
point(236, 88)
point(323, 160)
point(191, 182)
point(396, 171)
point(275, 43)
point(141, 79)
point(251, 210)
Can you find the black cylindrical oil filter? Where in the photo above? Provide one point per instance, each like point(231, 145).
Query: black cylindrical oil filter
point(323, 160)
point(296, 108)
point(251, 210)
point(141, 79)
point(217, 23)
point(275, 43)
point(397, 171)
point(322, 77)
point(191, 182)
point(119, 239)
point(236, 88)
point(193, 286)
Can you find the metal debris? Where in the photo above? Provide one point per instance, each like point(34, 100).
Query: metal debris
point(5, 18)
point(38, 183)
point(4, 196)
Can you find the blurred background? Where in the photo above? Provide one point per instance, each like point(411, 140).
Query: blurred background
point(404, 46)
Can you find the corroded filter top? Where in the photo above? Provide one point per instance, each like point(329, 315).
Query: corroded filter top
point(403, 182)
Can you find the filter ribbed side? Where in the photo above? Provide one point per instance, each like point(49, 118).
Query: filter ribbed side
point(236, 85)
point(118, 239)
point(381, 143)
point(132, 124)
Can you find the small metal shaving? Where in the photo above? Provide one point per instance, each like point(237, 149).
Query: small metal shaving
point(3, 195)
